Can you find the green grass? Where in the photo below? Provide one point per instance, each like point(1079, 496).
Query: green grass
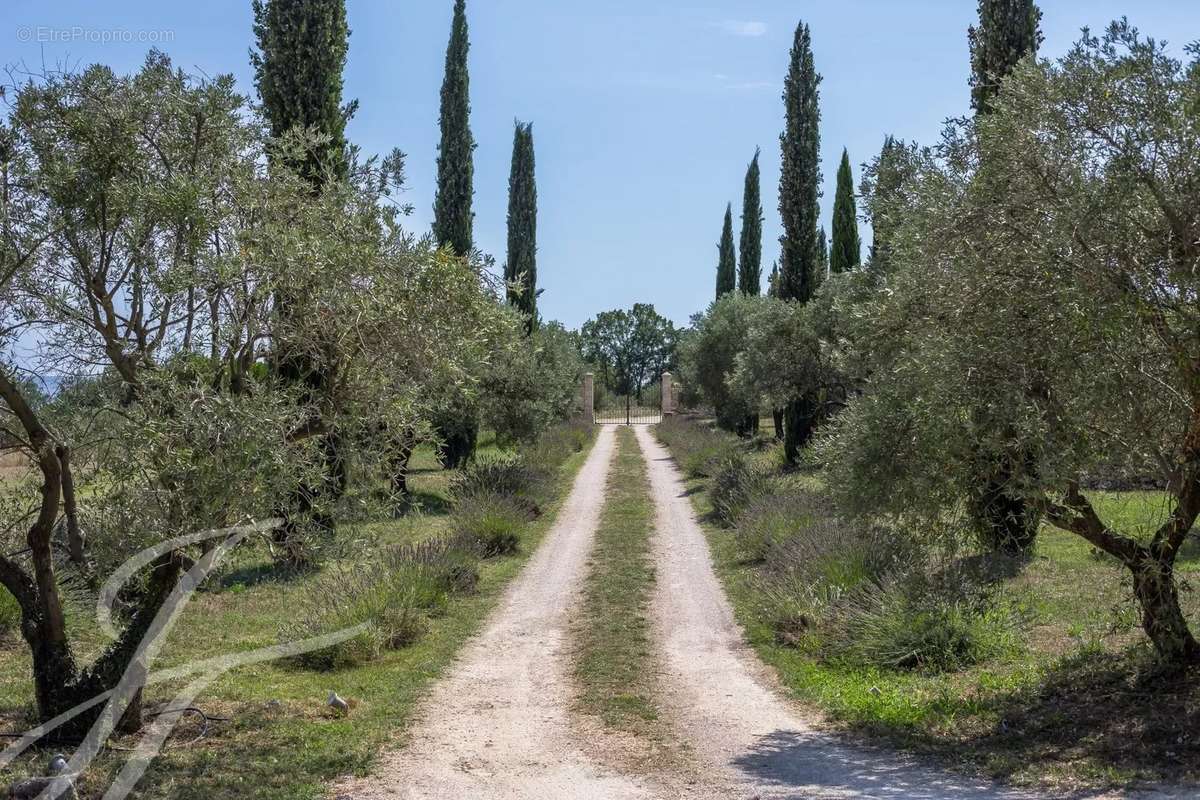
point(613, 631)
point(1081, 703)
point(281, 742)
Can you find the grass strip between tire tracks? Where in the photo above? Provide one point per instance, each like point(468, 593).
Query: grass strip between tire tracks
point(614, 663)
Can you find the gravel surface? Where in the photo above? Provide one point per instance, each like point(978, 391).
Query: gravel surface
point(753, 743)
point(499, 725)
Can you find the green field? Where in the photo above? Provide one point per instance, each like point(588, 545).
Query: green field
point(281, 742)
point(1081, 702)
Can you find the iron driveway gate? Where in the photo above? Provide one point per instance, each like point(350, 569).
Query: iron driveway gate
point(627, 412)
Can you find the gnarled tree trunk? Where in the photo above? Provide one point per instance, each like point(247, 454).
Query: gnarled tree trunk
point(75, 541)
point(69, 686)
point(398, 469)
point(1152, 565)
point(1162, 618)
point(799, 425)
point(59, 684)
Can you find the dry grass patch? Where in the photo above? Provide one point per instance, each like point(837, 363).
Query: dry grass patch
point(277, 739)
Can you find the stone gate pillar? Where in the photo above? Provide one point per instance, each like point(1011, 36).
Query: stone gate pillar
point(668, 394)
point(587, 396)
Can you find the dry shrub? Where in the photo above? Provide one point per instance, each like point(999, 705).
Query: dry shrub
point(866, 595)
point(699, 449)
point(393, 595)
point(772, 519)
point(558, 443)
point(495, 522)
point(510, 476)
point(739, 481)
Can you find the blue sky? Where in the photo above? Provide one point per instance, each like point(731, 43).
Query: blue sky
point(645, 113)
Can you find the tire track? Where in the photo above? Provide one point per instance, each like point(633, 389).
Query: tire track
point(752, 743)
point(498, 726)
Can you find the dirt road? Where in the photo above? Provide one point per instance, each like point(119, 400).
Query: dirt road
point(498, 727)
point(752, 741)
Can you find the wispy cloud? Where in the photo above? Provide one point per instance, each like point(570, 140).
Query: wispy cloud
point(740, 27)
point(732, 84)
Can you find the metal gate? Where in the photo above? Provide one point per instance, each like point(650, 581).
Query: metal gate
point(626, 411)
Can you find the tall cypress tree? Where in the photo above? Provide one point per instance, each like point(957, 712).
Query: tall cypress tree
point(799, 182)
point(302, 47)
point(727, 259)
point(750, 252)
point(453, 219)
point(800, 178)
point(846, 253)
point(1007, 32)
point(521, 267)
point(1008, 522)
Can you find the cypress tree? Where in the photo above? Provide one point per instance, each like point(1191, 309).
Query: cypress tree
point(750, 253)
point(521, 267)
point(773, 281)
point(302, 47)
point(800, 176)
point(1008, 522)
point(799, 182)
point(727, 261)
point(1007, 32)
point(822, 256)
point(453, 219)
point(881, 188)
point(846, 253)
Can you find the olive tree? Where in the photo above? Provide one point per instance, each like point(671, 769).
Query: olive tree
point(106, 182)
point(1050, 291)
point(533, 381)
point(125, 198)
point(803, 354)
point(708, 356)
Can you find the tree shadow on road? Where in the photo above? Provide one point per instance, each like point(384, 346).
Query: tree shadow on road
point(1116, 716)
point(817, 765)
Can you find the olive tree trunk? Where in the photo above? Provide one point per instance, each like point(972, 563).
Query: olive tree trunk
point(1162, 617)
point(398, 468)
point(1152, 565)
point(75, 539)
point(799, 425)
